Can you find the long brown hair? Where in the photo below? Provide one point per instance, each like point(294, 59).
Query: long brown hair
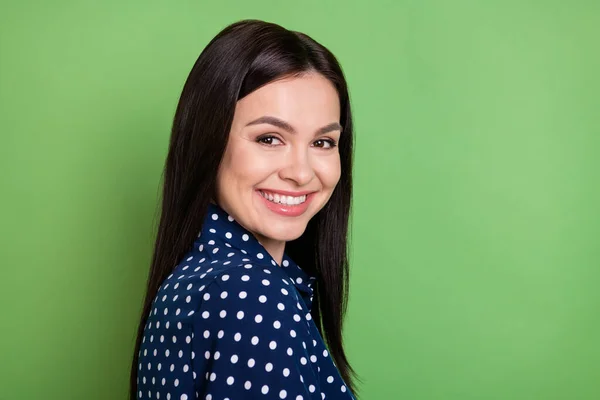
point(240, 59)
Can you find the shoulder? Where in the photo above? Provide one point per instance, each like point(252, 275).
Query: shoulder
point(252, 276)
point(193, 282)
point(253, 300)
point(254, 283)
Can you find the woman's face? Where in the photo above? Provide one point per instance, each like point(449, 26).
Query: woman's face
point(293, 157)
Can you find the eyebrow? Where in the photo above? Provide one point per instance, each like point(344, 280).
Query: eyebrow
point(334, 126)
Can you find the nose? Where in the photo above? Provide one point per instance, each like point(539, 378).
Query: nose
point(297, 168)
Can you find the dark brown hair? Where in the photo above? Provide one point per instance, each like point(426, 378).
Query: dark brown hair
point(243, 57)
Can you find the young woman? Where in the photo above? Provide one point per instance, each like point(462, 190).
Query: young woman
point(248, 286)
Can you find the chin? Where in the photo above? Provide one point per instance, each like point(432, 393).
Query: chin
point(286, 232)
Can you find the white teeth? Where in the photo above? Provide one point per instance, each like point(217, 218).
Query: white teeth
point(289, 200)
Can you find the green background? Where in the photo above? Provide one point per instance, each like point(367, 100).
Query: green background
point(475, 246)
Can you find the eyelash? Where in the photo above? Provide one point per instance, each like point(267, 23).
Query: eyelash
point(332, 143)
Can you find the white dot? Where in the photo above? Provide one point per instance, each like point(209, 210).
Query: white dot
point(234, 359)
point(265, 389)
point(243, 294)
point(186, 368)
point(260, 256)
point(330, 379)
point(205, 314)
point(220, 334)
point(207, 354)
point(297, 318)
point(213, 376)
point(215, 217)
point(224, 295)
point(299, 280)
point(303, 360)
point(282, 394)
point(237, 337)
point(269, 367)
point(284, 291)
point(188, 339)
point(292, 333)
point(245, 278)
point(206, 334)
point(311, 388)
point(183, 397)
point(223, 313)
point(286, 263)
point(254, 340)
point(248, 385)
point(280, 306)
point(313, 358)
point(217, 355)
point(277, 324)
point(206, 296)
point(230, 380)
point(273, 345)
point(266, 282)
point(240, 314)
point(343, 388)
point(258, 318)
point(228, 235)
point(245, 237)
point(325, 353)
point(262, 298)
point(251, 362)
point(290, 351)
point(225, 277)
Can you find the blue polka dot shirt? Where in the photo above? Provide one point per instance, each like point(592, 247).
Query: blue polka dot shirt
point(229, 323)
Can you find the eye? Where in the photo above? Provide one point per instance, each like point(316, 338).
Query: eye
point(322, 143)
point(267, 140)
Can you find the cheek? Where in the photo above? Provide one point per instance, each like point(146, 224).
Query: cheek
point(329, 171)
point(246, 165)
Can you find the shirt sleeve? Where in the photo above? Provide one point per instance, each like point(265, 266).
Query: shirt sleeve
point(250, 339)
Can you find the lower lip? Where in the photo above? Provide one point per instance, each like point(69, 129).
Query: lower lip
point(285, 209)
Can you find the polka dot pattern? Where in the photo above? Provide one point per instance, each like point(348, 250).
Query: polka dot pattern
point(229, 322)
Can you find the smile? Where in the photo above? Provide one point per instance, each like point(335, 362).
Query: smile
point(281, 199)
point(288, 206)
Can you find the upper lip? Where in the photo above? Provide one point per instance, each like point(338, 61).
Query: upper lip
point(287, 192)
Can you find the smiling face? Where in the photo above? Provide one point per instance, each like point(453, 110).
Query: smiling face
point(283, 141)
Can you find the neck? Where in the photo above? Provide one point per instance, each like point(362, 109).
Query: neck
point(275, 248)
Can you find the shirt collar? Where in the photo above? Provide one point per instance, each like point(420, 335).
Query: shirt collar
point(223, 228)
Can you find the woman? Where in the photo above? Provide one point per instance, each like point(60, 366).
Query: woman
point(255, 210)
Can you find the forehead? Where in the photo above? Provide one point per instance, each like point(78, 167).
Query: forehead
point(307, 101)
